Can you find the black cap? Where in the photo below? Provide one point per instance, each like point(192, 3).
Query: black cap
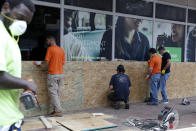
point(161, 48)
point(120, 68)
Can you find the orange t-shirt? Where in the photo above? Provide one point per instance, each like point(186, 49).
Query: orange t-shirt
point(155, 63)
point(56, 58)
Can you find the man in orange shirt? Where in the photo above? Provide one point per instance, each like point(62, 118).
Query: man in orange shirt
point(154, 75)
point(55, 58)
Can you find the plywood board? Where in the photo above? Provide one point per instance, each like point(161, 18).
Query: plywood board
point(45, 122)
point(86, 124)
point(73, 116)
point(32, 125)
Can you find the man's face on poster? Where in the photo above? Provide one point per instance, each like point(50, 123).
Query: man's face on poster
point(177, 32)
point(132, 24)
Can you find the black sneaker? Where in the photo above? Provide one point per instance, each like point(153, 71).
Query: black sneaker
point(117, 105)
point(152, 103)
point(126, 106)
point(148, 100)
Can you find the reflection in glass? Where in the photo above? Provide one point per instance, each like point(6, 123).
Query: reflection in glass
point(190, 46)
point(135, 7)
point(53, 1)
point(170, 13)
point(192, 16)
point(46, 21)
point(92, 4)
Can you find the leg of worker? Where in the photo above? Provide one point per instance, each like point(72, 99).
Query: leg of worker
point(60, 86)
point(163, 81)
point(127, 103)
point(154, 81)
point(53, 92)
point(112, 97)
point(115, 101)
point(127, 100)
point(50, 90)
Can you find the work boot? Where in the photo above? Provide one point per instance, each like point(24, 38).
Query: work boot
point(117, 105)
point(152, 103)
point(51, 113)
point(56, 114)
point(126, 106)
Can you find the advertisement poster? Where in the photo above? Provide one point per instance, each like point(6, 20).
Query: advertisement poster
point(175, 53)
point(83, 34)
point(133, 39)
point(190, 45)
point(170, 36)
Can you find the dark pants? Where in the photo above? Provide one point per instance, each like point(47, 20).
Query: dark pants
point(112, 97)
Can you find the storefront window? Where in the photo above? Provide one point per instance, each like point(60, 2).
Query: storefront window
point(46, 21)
point(135, 7)
point(190, 45)
point(53, 1)
point(133, 39)
point(192, 16)
point(83, 35)
point(171, 36)
point(92, 4)
point(170, 13)
point(1, 3)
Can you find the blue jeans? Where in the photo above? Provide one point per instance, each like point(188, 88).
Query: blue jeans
point(154, 86)
point(162, 85)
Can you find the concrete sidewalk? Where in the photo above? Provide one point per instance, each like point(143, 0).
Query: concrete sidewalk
point(186, 113)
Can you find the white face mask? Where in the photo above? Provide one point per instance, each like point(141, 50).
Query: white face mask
point(18, 27)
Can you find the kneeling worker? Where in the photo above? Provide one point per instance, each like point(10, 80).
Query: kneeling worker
point(120, 84)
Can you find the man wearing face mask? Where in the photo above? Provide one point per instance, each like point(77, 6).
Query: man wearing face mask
point(13, 22)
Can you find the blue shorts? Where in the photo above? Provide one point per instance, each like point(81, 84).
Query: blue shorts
point(14, 128)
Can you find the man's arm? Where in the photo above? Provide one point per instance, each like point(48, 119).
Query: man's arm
point(42, 63)
point(149, 73)
point(111, 87)
point(149, 70)
point(168, 64)
point(8, 82)
point(45, 62)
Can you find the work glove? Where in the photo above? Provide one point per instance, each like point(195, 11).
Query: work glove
point(163, 72)
point(147, 77)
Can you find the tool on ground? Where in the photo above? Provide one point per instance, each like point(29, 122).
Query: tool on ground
point(29, 99)
point(167, 120)
point(186, 101)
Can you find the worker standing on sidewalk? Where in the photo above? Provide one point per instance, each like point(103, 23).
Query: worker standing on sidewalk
point(154, 75)
point(55, 58)
point(15, 14)
point(165, 73)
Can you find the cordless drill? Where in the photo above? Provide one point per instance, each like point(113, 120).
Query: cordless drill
point(29, 99)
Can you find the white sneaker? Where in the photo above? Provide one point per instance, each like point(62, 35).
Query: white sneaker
point(164, 102)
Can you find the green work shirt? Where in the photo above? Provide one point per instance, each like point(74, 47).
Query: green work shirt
point(10, 62)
